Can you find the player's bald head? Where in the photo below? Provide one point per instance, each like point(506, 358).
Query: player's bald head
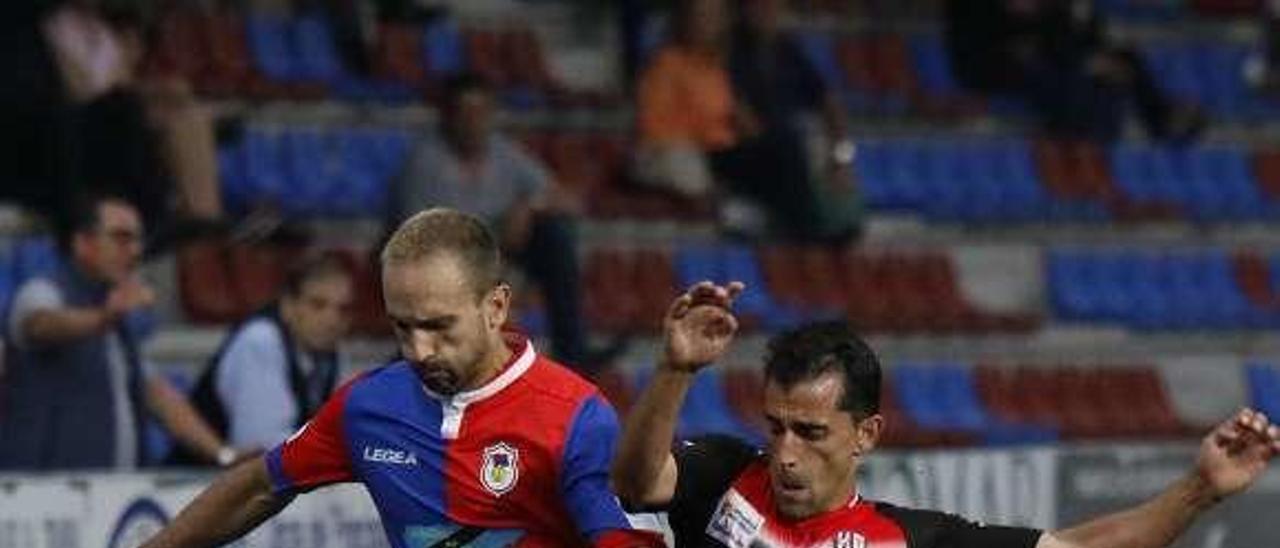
point(442, 232)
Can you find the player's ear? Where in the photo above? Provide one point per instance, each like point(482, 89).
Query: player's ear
point(867, 434)
point(497, 306)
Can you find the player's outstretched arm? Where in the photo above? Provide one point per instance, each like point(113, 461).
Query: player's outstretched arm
point(698, 328)
point(238, 501)
point(1231, 458)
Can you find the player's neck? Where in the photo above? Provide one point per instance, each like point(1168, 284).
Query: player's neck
point(494, 365)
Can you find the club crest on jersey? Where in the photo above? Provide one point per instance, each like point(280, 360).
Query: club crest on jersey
point(850, 539)
point(501, 468)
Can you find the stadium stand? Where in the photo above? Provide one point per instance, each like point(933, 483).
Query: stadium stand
point(927, 151)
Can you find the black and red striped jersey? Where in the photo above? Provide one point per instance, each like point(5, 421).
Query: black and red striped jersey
point(723, 499)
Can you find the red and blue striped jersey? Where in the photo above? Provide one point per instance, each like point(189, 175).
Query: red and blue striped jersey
point(522, 460)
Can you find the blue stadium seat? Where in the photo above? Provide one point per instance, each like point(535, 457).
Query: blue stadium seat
point(34, 256)
point(819, 49)
point(443, 52)
point(874, 178)
point(1264, 387)
point(1174, 69)
point(313, 45)
point(933, 68)
point(954, 386)
point(1142, 10)
point(906, 160)
point(264, 165)
point(695, 263)
point(741, 263)
point(706, 408)
point(1219, 67)
point(270, 45)
point(232, 178)
point(308, 183)
point(8, 281)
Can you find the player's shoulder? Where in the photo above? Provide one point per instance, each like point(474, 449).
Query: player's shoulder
point(918, 523)
point(379, 385)
point(556, 381)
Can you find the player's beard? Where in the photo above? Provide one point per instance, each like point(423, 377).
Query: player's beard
point(439, 377)
point(448, 377)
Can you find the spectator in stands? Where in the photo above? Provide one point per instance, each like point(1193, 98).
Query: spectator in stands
point(777, 86)
point(105, 126)
point(715, 109)
point(76, 383)
point(1056, 56)
point(1262, 70)
point(468, 166)
point(685, 107)
point(276, 368)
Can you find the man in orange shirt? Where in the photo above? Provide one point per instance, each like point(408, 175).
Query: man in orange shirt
point(696, 119)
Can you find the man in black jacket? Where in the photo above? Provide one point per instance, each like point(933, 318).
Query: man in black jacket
point(280, 364)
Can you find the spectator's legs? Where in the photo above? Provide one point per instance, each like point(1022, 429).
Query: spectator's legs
point(120, 154)
point(1071, 104)
point(551, 259)
point(773, 169)
point(43, 167)
point(187, 145)
point(1154, 107)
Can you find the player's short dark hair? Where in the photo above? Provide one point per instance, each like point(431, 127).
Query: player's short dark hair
point(440, 230)
point(316, 265)
point(461, 84)
point(84, 215)
point(813, 350)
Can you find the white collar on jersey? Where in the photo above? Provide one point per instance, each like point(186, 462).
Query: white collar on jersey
point(506, 378)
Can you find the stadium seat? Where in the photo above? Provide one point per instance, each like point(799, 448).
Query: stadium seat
point(270, 43)
point(1264, 387)
point(206, 286)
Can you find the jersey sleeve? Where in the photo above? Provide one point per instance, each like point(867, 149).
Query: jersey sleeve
point(316, 454)
point(584, 471)
point(929, 529)
point(705, 469)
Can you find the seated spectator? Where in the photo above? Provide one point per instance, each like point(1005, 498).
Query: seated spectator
point(468, 166)
point(714, 109)
point(107, 127)
point(275, 369)
point(684, 105)
point(1262, 69)
point(76, 386)
point(1055, 55)
point(777, 86)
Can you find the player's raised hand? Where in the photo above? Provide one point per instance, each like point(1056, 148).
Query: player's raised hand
point(699, 325)
point(1237, 452)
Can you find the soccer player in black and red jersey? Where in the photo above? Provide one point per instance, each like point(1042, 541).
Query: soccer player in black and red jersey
point(822, 388)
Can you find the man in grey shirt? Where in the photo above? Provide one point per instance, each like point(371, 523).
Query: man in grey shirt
point(76, 387)
point(468, 166)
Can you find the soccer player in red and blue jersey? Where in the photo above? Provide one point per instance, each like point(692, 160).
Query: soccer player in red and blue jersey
point(473, 439)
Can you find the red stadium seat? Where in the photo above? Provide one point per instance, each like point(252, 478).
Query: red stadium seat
point(1266, 168)
point(484, 56)
point(367, 314)
point(616, 387)
point(259, 271)
point(893, 74)
point(230, 66)
point(397, 53)
point(524, 59)
point(208, 292)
